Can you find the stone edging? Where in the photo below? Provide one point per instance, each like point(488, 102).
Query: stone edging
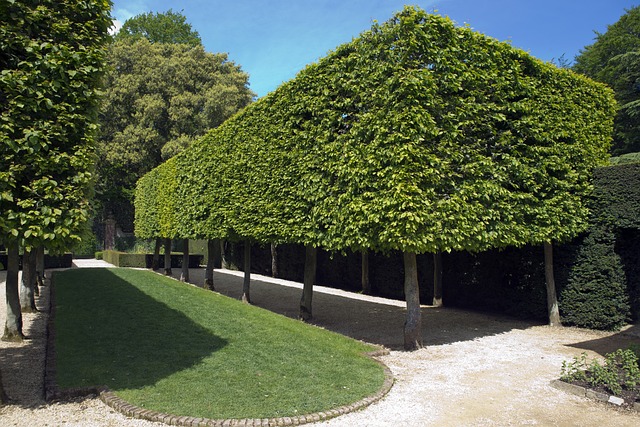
point(592, 394)
point(52, 393)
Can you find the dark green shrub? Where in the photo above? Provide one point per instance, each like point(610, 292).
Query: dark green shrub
point(98, 255)
point(596, 294)
point(625, 158)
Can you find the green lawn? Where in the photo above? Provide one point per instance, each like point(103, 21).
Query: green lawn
point(175, 348)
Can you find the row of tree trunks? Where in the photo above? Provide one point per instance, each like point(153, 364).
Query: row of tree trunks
point(413, 322)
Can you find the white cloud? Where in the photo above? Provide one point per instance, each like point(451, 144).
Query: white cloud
point(115, 27)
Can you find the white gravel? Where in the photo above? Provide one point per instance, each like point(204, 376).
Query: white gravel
point(476, 370)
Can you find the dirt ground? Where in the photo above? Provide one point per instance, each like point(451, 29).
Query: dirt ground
point(475, 369)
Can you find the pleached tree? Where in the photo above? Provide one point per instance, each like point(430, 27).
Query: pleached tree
point(418, 136)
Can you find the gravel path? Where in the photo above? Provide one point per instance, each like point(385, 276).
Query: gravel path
point(476, 369)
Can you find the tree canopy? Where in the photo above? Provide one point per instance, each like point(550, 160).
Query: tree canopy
point(159, 98)
point(614, 59)
point(159, 27)
point(417, 136)
point(51, 62)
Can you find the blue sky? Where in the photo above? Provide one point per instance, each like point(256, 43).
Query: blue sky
point(273, 40)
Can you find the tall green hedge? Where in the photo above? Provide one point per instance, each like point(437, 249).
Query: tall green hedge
point(418, 136)
point(51, 64)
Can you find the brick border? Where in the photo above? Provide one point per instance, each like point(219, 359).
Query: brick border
point(592, 394)
point(53, 393)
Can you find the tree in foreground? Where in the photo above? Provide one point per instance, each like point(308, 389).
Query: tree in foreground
point(52, 59)
point(614, 59)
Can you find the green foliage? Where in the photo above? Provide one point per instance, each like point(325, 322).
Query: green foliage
point(152, 338)
point(614, 59)
point(418, 136)
point(51, 62)
point(99, 255)
point(122, 259)
point(620, 370)
point(596, 294)
point(625, 158)
point(159, 98)
point(617, 196)
point(576, 370)
point(165, 27)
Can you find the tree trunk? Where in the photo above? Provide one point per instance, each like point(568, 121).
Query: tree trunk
point(437, 279)
point(310, 265)
point(4, 399)
point(184, 275)
point(224, 262)
point(13, 322)
point(274, 260)
point(39, 268)
point(246, 284)
point(155, 264)
point(552, 299)
point(28, 282)
point(167, 257)
point(413, 322)
point(366, 284)
point(208, 272)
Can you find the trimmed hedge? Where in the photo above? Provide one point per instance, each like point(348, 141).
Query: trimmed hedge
point(123, 259)
point(597, 274)
point(417, 136)
point(50, 261)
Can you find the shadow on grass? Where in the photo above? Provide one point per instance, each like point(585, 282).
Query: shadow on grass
point(110, 332)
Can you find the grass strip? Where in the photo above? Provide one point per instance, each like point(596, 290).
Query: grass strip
point(175, 348)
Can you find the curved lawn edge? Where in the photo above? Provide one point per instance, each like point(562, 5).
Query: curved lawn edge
point(53, 393)
point(120, 405)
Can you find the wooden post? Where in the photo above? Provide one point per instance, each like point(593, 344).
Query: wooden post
point(310, 265)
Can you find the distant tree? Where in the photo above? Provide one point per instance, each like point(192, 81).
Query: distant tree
point(614, 59)
point(159, 27)
point(159, 98)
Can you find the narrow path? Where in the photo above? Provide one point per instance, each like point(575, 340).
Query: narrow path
point(477, 369)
